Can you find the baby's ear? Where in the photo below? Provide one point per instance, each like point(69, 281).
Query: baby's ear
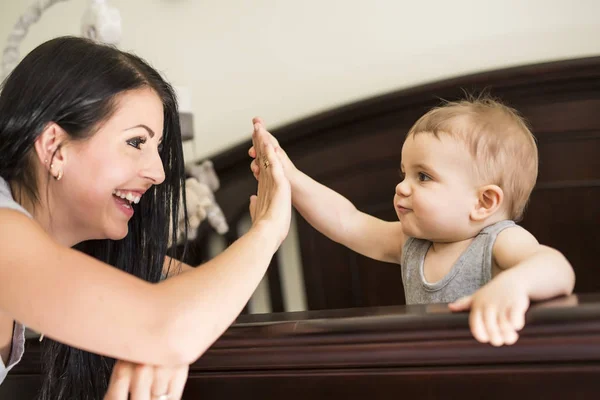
point(489, 200)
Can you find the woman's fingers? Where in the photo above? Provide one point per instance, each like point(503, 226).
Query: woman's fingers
point(120, 381)
point(162, 381)
point(253, 207)
point(141, 383)
point(178, 383)
point(276, 169)
point(256, 141)
point(265, 136)
point(255, 169)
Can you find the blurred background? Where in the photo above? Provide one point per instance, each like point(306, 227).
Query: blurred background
point(231, 60)
point(285, 60)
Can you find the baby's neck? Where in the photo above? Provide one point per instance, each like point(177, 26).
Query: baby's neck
point(444, 247)
point(463, 242)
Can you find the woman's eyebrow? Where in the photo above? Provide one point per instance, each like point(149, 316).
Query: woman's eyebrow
point(150, 131)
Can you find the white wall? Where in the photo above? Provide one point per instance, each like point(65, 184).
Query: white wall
point(285, 60)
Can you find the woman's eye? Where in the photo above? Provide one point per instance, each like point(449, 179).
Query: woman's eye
point(136, 142)
point(424, 177)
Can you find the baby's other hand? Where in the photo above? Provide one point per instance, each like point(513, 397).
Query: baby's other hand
point(497, 311)
point(287, 164)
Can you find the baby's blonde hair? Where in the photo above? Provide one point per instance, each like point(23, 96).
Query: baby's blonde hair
point(498, 138)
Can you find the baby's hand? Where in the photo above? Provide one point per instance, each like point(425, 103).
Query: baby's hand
point(287, 164)
point(497, 311)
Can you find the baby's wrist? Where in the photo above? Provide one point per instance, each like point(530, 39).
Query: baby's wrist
point(291, 173)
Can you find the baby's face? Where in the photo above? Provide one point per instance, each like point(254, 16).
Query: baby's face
point(439, 189)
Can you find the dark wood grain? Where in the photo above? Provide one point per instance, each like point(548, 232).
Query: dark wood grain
point(355, 149)
point(385, 352)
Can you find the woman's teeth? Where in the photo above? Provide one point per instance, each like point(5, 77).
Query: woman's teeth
point(127, 196)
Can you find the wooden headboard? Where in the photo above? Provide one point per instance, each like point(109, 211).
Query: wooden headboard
point(355, 150)
point(414, 351)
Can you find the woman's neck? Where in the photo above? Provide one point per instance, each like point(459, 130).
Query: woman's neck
point(40, 211)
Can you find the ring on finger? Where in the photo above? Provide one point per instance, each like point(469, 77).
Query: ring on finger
point(265, 162)
point(165, 396)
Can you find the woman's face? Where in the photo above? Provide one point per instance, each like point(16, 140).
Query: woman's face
point(104, 175)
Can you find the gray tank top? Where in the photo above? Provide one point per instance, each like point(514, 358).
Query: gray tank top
point(18, 340)
point(472, 270)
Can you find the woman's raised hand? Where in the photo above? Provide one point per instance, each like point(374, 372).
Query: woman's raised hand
point(272, 203)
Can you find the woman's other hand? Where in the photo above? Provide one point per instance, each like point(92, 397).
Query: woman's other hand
point(146, 382)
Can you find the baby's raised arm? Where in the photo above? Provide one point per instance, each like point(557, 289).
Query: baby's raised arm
point(335, 216)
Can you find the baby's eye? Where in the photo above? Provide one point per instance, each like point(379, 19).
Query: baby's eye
point(160, 147)
point(401, 174)
point(424, 177)
point(136, 142)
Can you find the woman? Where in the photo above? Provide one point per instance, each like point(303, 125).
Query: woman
point(91, 172)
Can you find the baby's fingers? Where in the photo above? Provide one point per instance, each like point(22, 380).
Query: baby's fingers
point(477, 327)
point(490, 319)
point(461, 304)
point(509, 335)
point(517, 314)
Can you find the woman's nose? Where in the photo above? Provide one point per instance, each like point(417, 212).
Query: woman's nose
point(155, 170)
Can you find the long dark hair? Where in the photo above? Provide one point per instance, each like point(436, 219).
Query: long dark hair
point(73, 82)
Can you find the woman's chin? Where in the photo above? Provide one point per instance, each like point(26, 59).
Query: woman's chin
point(118, 233)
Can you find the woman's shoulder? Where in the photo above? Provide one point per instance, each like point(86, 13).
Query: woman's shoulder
point(7, 201)
point(22, 240)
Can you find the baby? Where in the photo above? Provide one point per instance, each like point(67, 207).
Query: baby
point(467, 171)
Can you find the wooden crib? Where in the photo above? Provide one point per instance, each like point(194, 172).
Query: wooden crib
point(358, 340)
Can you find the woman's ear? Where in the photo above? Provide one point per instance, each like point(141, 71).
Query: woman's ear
point(50, 150)
point(489, 200)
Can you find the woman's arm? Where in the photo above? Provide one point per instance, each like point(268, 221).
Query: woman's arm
point(173, 267)
point(85, 303)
